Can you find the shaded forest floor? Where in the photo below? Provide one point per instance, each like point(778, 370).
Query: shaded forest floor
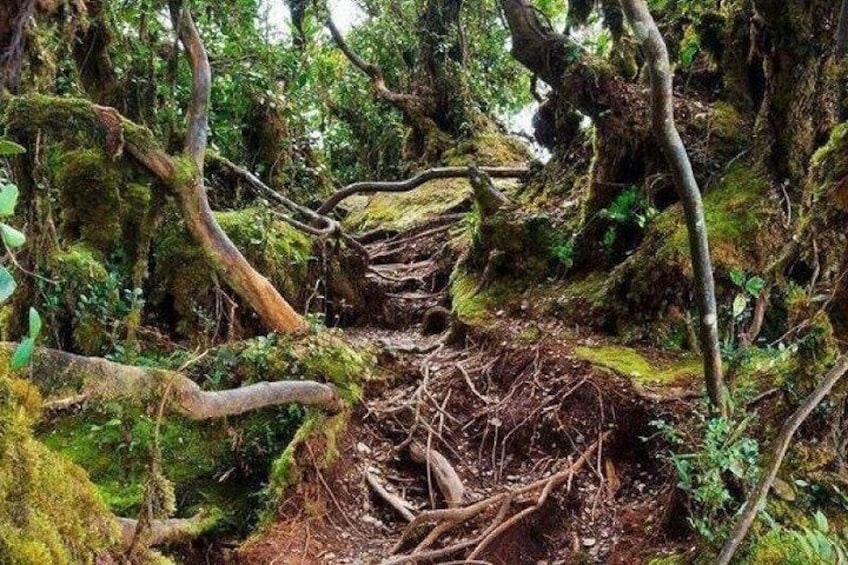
point(509, 402)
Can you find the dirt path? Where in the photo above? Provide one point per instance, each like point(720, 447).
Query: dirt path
point(499, 412)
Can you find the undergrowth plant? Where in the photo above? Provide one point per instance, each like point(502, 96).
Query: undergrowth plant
point(630, 210)
point(718, 459)
point(12, 240)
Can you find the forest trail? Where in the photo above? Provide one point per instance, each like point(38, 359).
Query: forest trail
point(502, 413)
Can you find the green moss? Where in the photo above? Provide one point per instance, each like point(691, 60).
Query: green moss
point(734, 211)
point(590, 289)
point(631, 363)
point(99, 206)
point(85, 298)
point(285, 471)
point(667, 560)
point(778, 546)
point(49, 511)
point(492, 149)
point(275, 249)
point(191, 452)
point(403, 210)
point(834, 147)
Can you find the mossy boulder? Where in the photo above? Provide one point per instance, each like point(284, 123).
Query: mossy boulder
point(185, 283)
point(49, 511)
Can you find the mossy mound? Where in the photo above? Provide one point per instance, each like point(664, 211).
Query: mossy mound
point(100, 206)
point(488, 149)
point(185, 284)
point(224, 463)
point(642, 371)
point(511, 245)
point(84, 307)
point(651, 288)
point(403, 210)
point(49, 511)
point(479, 305)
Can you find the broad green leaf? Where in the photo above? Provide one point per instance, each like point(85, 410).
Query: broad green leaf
point(34, 323)
point(821, 521)
point(23, 354)
point(10, 148)
point(8, 199)
point(755, 286)
point(7, 284)
point(739, 304)
point(11, 236)
point(737, 277)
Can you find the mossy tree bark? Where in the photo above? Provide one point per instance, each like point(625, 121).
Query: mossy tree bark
point(590, 85)
point(14, 17)
point(183, 175)
point(799, 96)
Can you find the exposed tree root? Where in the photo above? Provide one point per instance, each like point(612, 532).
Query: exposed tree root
point(444, 520)
point(98, 378)
point(399, 505)
point(171, 530)
point(446, 477)
point(370, 187)
point(778, 451)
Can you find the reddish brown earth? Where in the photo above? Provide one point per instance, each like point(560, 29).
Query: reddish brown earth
point(504, 413)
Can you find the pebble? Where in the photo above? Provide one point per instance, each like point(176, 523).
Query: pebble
point(589, 542)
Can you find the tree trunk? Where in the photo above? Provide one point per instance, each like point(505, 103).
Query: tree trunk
point(662, 116)
point(800, 99)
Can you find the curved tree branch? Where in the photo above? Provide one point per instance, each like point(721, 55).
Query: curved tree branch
point(201, 83)
point(778, 451)
point(179, 174)
point(370, 187)
point(171, 530)
point(586, 82)
point(662, 117)
point(410, 105)
point(98, 378)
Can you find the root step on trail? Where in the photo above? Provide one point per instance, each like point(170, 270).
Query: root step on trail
point(540, 445)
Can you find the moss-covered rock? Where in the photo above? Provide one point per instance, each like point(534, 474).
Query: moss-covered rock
point(49, 511)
